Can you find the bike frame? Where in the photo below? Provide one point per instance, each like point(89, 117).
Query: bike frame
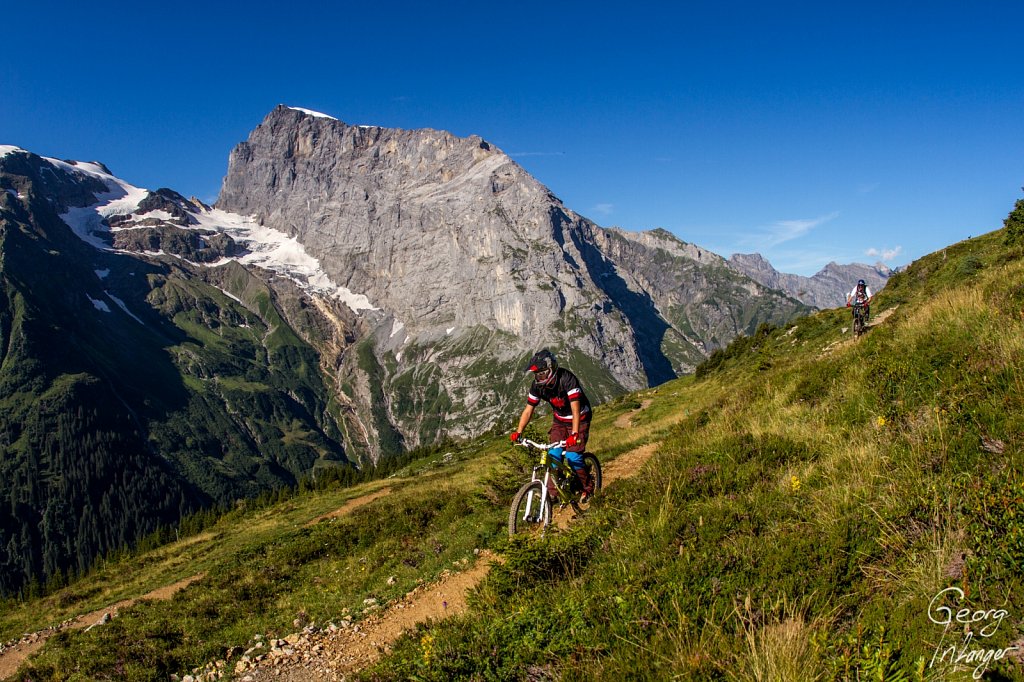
point(545, 464)
point(858, 315)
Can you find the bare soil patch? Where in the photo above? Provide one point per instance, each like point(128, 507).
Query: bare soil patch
point(624, 421)
point(354, 503)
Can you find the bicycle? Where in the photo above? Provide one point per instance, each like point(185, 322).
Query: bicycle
point(531, 506)
point(860, 319)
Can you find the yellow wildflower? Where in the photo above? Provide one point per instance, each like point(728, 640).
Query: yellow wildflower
point(880, 422)
point(427, 644)
point(794, 483)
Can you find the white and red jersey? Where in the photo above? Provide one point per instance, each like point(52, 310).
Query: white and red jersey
point(560, 392)
point(854, 297)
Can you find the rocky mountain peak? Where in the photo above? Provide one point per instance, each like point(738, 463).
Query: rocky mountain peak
point(392, 212)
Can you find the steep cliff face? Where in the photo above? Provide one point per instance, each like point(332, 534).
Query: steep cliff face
point(442, 234)
point(695, 290)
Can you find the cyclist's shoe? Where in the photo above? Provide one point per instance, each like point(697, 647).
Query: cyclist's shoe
point(584, 497)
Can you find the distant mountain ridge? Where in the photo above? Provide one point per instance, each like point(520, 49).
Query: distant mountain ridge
point(825, 289)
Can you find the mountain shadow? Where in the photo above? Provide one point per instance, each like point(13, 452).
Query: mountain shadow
point(649, 328)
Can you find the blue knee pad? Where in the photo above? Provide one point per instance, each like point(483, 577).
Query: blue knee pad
point(575, 458)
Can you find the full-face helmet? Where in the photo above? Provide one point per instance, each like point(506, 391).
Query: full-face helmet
point(543, 365)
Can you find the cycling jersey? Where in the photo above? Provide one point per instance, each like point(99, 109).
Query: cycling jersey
point(560, 393)
point(862, 297)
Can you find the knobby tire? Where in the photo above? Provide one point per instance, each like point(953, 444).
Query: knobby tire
point(517, 524)
point(594, 467)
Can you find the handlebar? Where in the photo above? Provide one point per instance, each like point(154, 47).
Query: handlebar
point(526, 442)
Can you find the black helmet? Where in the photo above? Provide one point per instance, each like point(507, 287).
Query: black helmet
point(861, 283)
point(543, 364)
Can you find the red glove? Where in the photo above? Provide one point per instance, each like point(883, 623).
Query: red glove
point(847, 304)
point(515, 437)
point(572, 440)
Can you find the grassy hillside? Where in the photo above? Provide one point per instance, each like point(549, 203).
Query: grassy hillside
point(818, 508)
point(812, 498)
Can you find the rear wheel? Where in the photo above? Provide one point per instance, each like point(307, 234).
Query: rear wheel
point(529, 515)
point(593, 467)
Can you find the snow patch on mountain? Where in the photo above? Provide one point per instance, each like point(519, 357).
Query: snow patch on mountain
point(274, 250)
point(98, 304)
point(310, 112)
point(264, 246)
point(89, 222)
point(122, 306)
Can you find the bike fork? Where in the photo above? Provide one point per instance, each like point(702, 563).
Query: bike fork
point(541, 503)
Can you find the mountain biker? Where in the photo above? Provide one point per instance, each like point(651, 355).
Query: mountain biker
point(570, 410)
point(861, 294)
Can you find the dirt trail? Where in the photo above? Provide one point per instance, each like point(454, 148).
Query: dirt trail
point(334, 654)
point(882, 317)
point(13, 654)
point(350, 505)
point(624, 421)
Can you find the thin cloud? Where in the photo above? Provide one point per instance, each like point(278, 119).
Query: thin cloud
point(605, 209)
point(884, 254)
point(783, 231)
point(522, 154)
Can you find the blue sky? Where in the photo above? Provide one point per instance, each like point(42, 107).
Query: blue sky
point(808, 132)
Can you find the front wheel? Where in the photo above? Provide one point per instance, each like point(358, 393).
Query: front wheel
point(529, 514)
point(858, 322)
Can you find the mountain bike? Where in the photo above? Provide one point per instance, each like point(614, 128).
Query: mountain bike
point(531, 506)
point(860, 319)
